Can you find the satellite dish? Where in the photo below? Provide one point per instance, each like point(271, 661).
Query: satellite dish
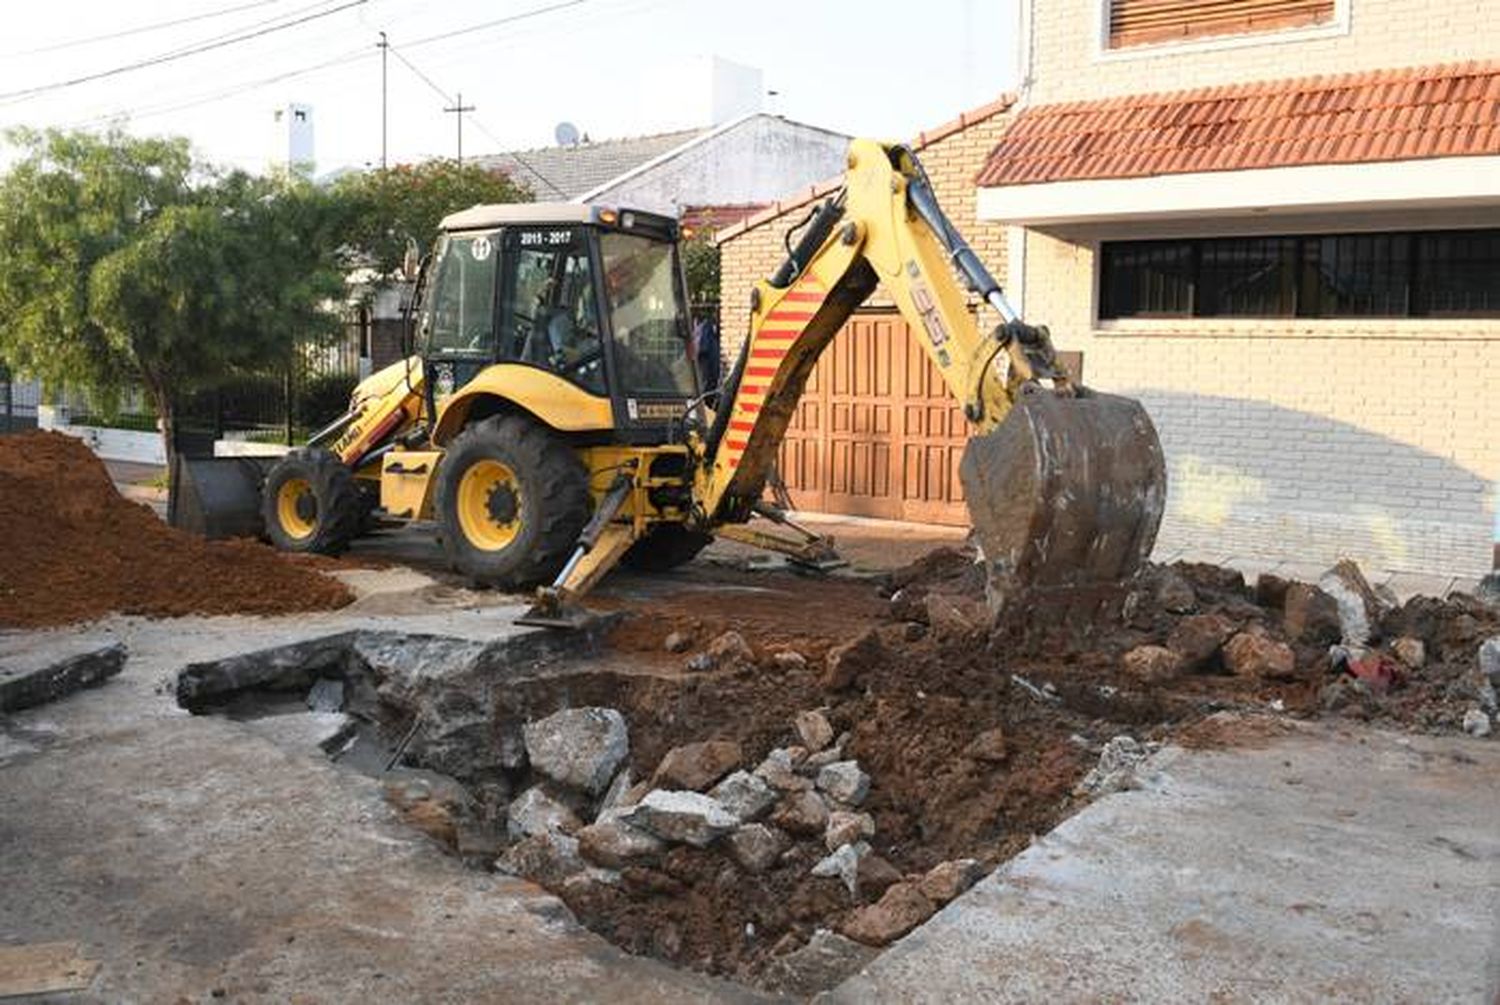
point(566, 134)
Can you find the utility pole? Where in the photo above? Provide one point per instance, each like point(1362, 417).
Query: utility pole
point(384, 48)
point(458, 108)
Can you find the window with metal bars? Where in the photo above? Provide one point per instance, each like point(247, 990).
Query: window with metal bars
point(1452, 274)
point(1147, 22)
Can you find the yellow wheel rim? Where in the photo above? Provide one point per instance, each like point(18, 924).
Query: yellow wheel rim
point(489, 505)
point(297, 508)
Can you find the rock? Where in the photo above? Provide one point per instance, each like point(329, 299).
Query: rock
point(988, 746)
point(789, 660)
point(1117, 766)
point(913, 631)
point(614, 843)
point(1489, 660)
point(617, 796)
point(844, 781)
point(667, 940)
point(537, 811)
point(681, 817)
point(1412, 652)
point(1270, 591)
point(898, 911)
point(590, 876)
point(696, 766)
point(815, 763)
point(954, 617)
point(1251, 654)
point(747, 796)
point(802, 813)
point(677, 642)
point(1360, 607)
point(1488, 590)
point(843, 863)
point(845, 827)
point(779, 770)
point(756, 847)
point(846, 663)
point(50, 669)
point(327, 695)
point(579, 747)
point(728, 651)
point(1309, 615)
point(1175, 595)
point(1152, 664)
point(1477, 722)
point(826, 960)
point(548, 859)
point(813, 729)
point(947, 880)
point(1198, 638)
point(876, 875)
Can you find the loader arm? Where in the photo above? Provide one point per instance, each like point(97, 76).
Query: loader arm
point(883, 227)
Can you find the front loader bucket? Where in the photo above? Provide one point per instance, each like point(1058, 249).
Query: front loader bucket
point(217, 497)
point(1067, 493)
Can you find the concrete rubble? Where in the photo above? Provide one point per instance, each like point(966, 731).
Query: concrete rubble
point(33, 673)
point(579, 747)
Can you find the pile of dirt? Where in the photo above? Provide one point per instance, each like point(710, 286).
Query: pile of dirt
point(76, 550)
point(976, 736)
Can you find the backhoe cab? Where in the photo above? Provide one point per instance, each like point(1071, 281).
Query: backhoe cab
point(550, 422)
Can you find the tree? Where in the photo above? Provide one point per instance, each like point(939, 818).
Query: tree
point(129, 264)
point(700, 263)
point(387, 207)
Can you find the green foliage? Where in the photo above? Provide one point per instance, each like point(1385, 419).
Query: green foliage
point(700, 261)
point(128, 263)
point(384, 208)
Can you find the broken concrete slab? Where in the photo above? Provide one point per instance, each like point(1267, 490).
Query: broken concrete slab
point(1360, 862)
point(579, 747)
point(683, 817)
point(827, 959)
point(36, 670)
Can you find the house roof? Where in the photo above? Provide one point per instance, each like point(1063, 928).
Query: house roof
point(1388, 115)
point(568, 172)
point(818, 190)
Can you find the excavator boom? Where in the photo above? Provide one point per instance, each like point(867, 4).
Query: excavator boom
point(1066, 486)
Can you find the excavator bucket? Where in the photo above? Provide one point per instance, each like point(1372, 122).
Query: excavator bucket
point(1066, 494)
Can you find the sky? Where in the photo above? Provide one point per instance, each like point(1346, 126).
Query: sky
point(612, 67)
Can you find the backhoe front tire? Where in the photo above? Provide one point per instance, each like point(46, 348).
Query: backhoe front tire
point(512, 498)
point(311, 503)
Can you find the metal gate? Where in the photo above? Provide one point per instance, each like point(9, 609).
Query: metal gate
point(876, 433)
point(18, 402)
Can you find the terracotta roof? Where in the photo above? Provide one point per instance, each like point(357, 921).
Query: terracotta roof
point(820, 189)
point(1439, 111)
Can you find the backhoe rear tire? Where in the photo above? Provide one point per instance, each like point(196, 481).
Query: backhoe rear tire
point(512, 498)
point(665, 547)
point(310, 502)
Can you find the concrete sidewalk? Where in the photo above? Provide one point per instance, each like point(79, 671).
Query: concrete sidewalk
point(1332, 865)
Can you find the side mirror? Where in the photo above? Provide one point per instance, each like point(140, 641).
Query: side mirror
point(411, 262)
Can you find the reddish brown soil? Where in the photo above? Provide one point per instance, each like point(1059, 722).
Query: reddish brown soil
point(75, 550)
point(913, 715)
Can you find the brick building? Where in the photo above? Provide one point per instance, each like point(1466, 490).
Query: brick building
point(1299, 276)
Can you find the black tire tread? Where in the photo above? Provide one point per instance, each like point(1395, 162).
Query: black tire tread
point(561, 505)
point(341, 505)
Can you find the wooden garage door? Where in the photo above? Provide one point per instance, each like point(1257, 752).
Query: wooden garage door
point(876, 433)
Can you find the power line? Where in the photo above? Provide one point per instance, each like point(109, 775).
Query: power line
point(140, 29)
point(509, 19)
point(13, 96)
point(477, 124)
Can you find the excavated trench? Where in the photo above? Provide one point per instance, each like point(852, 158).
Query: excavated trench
point(876, 755)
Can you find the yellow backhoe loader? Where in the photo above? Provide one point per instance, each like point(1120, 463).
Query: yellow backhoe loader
point(550, 422)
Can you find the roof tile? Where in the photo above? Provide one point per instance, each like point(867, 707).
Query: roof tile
point(1393, 114)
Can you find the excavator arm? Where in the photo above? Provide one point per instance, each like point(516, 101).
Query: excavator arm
point(1066, 486)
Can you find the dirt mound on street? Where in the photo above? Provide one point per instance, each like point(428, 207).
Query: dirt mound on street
point(75, 550)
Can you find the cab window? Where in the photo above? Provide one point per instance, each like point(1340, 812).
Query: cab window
point(459, 314)
point(550, 317)
point(647, 311)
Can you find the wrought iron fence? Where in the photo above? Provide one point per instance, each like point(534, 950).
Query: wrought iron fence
point(18, 402)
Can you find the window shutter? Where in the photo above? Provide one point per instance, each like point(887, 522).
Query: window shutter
point(1142, 22)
